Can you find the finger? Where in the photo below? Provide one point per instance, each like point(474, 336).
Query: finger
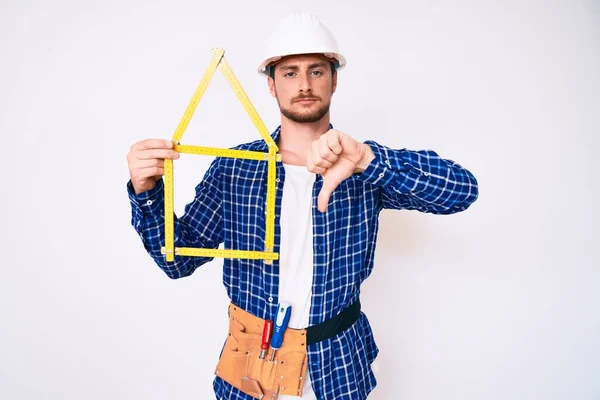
point(156, 153)
point(317, 170)
point(325, 193)
point(153, 144)
point(324, 151)
point(316, 156)
point(140, 164)
point(312, 167)
point(149, 172)
point(334, 141)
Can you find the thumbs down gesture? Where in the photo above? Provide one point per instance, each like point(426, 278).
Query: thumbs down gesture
point(336, 156)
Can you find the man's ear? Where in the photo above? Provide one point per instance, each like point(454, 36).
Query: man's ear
point(334, 82)
point(271, 83)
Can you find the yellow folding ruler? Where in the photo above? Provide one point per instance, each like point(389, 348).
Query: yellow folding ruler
point(271, 158)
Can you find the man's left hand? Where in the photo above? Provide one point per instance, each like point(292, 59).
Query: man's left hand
point(336, 156)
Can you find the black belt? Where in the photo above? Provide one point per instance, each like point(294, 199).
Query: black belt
point(333, 326)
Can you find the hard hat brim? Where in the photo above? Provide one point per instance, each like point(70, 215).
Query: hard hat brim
point(264, 70)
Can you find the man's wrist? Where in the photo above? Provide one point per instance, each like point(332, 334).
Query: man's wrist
point(366, 160)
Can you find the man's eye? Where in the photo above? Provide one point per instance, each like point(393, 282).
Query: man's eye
point(288, 74)
point(317, 73)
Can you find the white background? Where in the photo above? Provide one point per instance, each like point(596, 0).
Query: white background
point(498, 302)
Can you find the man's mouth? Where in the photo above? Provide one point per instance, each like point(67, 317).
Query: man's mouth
point(307, 100)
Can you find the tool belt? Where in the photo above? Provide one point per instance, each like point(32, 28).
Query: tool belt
point(240, 365)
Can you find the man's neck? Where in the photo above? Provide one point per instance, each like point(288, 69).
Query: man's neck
point(295, 139)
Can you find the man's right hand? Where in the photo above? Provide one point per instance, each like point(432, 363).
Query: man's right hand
point(146, 161)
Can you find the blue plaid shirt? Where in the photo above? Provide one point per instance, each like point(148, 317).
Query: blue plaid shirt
point(229, 207)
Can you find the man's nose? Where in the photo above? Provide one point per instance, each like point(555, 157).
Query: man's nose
point(304, 83)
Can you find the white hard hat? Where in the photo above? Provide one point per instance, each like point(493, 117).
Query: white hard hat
point(300, 33)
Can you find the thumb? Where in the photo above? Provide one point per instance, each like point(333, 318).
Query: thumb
point(325, 193)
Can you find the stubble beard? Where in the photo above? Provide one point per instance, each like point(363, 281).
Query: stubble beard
point(304, 117)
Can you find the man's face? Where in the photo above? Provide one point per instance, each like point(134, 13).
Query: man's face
point(303, 87)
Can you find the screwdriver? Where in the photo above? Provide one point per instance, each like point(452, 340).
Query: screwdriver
point(266, 338)
point(284, 310)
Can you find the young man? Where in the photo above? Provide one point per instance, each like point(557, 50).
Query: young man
point(330, 190)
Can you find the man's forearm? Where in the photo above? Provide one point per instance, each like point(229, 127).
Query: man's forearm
point(420, 180)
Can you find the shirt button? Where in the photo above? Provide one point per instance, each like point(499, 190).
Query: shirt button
point(277, 180)
point(270, 299)
point(426, 173)
point(381, 175)
point(388, 162)
point(149, 202)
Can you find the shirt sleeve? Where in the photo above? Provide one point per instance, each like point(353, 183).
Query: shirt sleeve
point(419, 180)
point(200, 226)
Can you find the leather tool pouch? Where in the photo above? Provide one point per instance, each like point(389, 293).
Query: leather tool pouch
point(241, 366)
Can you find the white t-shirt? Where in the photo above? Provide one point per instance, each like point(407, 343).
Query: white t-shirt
point(296, 253)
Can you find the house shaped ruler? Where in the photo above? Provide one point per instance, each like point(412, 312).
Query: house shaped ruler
point(271, 157)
